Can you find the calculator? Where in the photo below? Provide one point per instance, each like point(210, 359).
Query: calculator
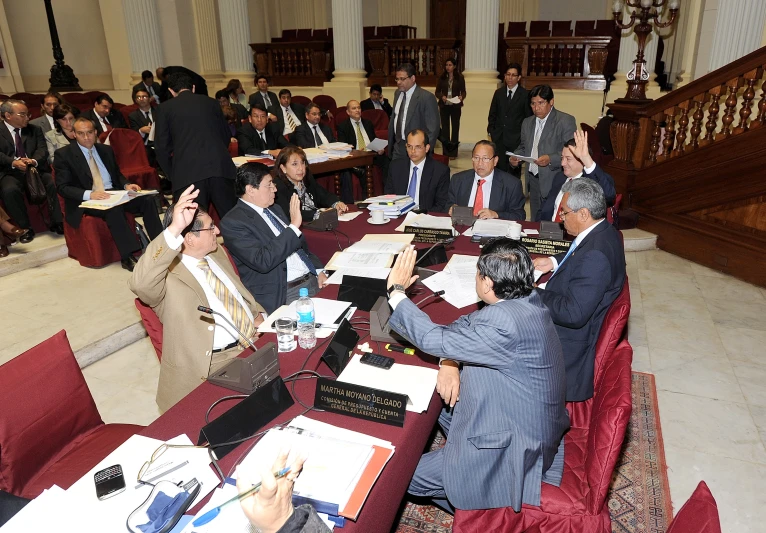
point(109, 482)
point(379, 361)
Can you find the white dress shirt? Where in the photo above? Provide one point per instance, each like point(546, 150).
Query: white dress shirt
point(289, 111)
point(316, 128)
point(395, 116)
point(511, 92)
point(224, 334)
point(486, 188)
point(560, 195)
point(420, 167)
point(296, 268)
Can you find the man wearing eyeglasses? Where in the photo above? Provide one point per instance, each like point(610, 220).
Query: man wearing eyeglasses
point(183, 268)
point(414, 108)
point(509, 108)
point(89, 171)
point(585, 281)
point(421, 177)
point(22, 146)
point(141, 121)
point(491, 192)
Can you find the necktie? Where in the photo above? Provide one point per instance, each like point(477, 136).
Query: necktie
point(316, 136)
point(538, 130)
point(571, 249)
point(413, 188)
point(20, 152)
point(233, 307)
point(151, 91)
point(400, 118)
point(290, 121)
point(266, 100)
point(98, 180)
point(263, 139)
point(478, 201)
point(360, 144)
point(149, 117)
point(280, 227)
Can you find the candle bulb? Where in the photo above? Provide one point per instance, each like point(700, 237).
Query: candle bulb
point(646, 3)
point(617, 7)
point(674, 4)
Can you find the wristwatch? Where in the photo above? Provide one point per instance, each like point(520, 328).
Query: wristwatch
point(395, 287)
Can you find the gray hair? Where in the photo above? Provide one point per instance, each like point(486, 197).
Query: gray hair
point(586, 193)
point(7, 106)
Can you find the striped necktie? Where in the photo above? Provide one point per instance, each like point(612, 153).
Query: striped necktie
point(233, 307)
point(290, 120)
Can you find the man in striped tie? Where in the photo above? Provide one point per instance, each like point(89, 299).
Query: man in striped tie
point(181, 269)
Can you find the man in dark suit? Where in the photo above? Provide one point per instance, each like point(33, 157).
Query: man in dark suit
point(45, 121)
point(149, 85)
point(491, 192)
point(141, 121)
point(542, 138)
point(21, 146)
point(85, 171)
point(576, 162)
point(420, 176)
point(585, 282)
point(312, 133)
point(359, 133)
point(198, 82)
point(271, 254)
point(255, 137)
point(104, 116)
point(414, 108)
point(192, 145)
point(376, 101)
point(509, 108)
point(264, 97)
point(289, 115)
point(223, 100)
point(505, 432)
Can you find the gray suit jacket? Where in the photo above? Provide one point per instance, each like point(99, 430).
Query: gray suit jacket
point(506, 434)
point(559, 128)
point(43, 123)
point(422, 113)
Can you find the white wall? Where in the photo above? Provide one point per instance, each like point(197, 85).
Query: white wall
point(571, 10)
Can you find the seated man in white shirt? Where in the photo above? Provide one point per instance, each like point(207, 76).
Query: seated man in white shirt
point(182, 268)
point(312, 133)
point(290, 115)
point(45, 121)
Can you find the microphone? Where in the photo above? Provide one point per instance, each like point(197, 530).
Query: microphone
point(434, 295)
point(210, 311)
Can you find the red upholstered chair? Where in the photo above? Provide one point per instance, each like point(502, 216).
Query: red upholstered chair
point(131, 157)
point(584, 28)
point(127, 110)
point(561, 28)
point(39, 215)
point(579, 505)
point(319, 35)
point(152, 325)
point(516, 29)
point(233, 149)
point(302, 100)
point(325, 101)
point(698, 515)
point(613, 210)
point(92, 95)
point(50, 431)
point(303, 34)
point(379, 120)
point(339, 114)
point(441, 158)
point(540, 28)
point(30, 99)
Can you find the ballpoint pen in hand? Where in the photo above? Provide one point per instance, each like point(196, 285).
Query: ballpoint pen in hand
point(212, 513)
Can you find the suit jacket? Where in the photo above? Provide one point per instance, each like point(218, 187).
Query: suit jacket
point(506, 433)
point(303, 135)
point(260, 256)
point(422, 113)
point(161, 281)
point(279, 125)
point(155, 87)
point(506, 199)
point(505, 118)
point(115, 118)
point(434, 183)
point(34, 145)
point(559, 128)
point(250, 142)
point(321, 196)
point(191, 140)
point(137, 120)
point(578, 296)
point(442, 88)
point(368, 105)
point(43, 123)
point(55, 140)
point(598, 174)
point(347, 131)
point(257, 98)
point(73, 177)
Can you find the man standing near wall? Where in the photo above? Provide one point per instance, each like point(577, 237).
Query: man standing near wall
point(414, 108)
point(509, 108)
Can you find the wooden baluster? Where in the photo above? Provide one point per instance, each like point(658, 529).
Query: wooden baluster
point(683, 124)
point(670, 128)
point(568, 60)
point(654, 147)
point(304, 62)
point(552, 48)
point(761, 118)
point(580, 60)
point(712, 114)
point(533, 64)
point(731, 108)
point(697, 116)
point(747, 100)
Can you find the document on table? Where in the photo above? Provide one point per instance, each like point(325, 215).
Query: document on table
point(426, 221)
point(378, 247)
point(405, 238)
point(359, 260)
point(376, 145)
point(326, 312)
point(417, 382)
point(521, 157)
point(375, 273)
point(348, 217)
point(458, 280)
point(44, 513)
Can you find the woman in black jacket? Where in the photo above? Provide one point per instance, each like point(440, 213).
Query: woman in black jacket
point(450, 85)
point(294, 177)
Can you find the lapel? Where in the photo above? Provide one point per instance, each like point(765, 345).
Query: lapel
point(497, 193)
point(84, 170)
point(8, 137)
point(602, 226)
point(549, 125)
point(464, 197)
point(186, 277)
point(425, 180)
point(259, 141)
point(411, 108)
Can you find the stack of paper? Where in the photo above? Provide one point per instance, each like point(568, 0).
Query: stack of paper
point(316, 155)
point(337, 147)
point(492, 227)
point(393, 206)
point(115, 198)
point(349, 259)
point(44, 513)
point(458, 280)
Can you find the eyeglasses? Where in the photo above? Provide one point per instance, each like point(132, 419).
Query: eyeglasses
point(211, 228)
point(539, 104)
point(142, 97)
point(156, 455)
point(28, 115)
point(402, 79)
point(483, 159)
point(563, 214)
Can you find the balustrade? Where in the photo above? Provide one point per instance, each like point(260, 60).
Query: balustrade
point(294, 63)
point(426, 55)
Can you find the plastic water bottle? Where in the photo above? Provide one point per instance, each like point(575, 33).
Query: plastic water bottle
point(307, 337)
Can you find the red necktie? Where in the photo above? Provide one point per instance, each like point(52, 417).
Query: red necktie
point(478, 202)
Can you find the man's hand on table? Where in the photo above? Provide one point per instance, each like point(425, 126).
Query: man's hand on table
point(448, 382)
point(340, 207)
point(543, 264)
point(487, 213)
point(401, 273)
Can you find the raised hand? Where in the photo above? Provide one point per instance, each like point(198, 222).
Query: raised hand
point(295, 211)
point(184, 210)
point(580, 150)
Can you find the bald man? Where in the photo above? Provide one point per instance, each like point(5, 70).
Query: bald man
point(360, 132)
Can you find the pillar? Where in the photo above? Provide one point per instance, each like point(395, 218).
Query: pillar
point(143, 29)
point(237, 57)
point(208, 44)
point(738, 30)
point(349, 77)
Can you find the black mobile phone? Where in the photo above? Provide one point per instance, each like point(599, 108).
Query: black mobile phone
point(109, 482)
point(379, 361)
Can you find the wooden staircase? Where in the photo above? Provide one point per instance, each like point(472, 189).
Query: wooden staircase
point(697, 179)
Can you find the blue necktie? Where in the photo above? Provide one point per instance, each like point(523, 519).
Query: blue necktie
point(280, 227)
point(571, 249)
point(413, 188)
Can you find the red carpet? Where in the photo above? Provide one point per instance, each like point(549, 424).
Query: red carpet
point(639, 498)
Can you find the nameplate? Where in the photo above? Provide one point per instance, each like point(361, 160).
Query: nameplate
point(428, 235)
point(361, 402)
point(539, 246)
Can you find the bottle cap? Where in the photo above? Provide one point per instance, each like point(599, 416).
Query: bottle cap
point(303, 292)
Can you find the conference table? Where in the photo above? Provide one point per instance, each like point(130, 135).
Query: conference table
point(381, 508)
point(357, 158)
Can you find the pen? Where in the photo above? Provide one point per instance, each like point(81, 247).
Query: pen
point(212, 513)
point(397, 348)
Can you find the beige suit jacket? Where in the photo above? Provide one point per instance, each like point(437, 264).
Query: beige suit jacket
point(161, 281)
